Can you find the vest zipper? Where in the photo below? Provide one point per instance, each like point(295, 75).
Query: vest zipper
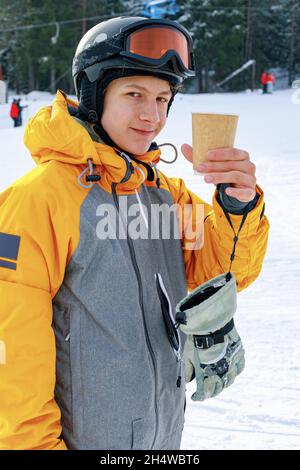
point(171, 330)
point(141, 302)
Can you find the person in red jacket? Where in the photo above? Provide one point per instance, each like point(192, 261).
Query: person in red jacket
point(263, 81)
point(14, 112)
point(20, 109)
point(267, 81)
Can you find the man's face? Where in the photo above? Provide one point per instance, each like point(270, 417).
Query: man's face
point(132, 104)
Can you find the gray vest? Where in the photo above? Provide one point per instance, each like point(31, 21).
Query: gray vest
point(116, 369)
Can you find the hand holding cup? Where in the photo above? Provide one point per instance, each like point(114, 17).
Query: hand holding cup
point(215, 157)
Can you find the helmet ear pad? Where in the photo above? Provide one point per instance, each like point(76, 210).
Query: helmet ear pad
point(85, 98)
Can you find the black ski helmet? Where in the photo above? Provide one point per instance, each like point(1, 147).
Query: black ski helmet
point(104, 53)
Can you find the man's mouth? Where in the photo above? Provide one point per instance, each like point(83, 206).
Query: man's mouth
point(142, 132)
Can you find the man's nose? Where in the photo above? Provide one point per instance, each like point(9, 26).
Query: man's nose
point(150, 112)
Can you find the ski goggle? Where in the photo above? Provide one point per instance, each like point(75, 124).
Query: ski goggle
point(155, 45)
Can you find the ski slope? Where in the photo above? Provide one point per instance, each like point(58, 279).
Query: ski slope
point(261, 410)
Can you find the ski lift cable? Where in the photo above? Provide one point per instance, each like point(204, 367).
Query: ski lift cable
point(54, 23)
point(128, 13)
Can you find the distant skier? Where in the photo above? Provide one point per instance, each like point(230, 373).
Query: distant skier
point(270, 82)
point(14, 112)
point(20, 109)
point(267, 81)
point(263, 81)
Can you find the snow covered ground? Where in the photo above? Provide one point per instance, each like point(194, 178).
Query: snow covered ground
point(262, 408)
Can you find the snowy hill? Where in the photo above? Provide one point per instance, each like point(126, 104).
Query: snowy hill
point(261, 410)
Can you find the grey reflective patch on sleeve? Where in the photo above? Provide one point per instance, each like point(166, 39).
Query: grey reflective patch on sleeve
point(9, 246)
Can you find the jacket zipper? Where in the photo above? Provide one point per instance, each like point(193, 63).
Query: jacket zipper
point(171, 330)
point(141, 302)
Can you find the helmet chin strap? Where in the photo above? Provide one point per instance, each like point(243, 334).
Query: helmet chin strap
point(99, 129)
point(91, 114)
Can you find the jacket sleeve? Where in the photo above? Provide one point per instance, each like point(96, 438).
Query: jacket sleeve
point(209, 253)
point(32, 265)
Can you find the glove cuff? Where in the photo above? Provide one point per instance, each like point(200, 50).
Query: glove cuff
point(209, 307)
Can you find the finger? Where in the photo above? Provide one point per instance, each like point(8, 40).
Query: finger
point(242, 194)
point(227, 154)
point(232, 177)
point(187, 152)
point(246, 167)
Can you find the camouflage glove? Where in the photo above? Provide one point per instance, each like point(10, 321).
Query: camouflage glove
point(213, 352)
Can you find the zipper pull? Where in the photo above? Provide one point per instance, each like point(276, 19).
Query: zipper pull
point(179, 378)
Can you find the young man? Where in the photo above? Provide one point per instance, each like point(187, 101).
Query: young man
point(89, 364)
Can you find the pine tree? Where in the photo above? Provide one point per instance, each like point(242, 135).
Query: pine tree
point(38, 38)
point(40, 57)
point(218, 33)
point(228, 33)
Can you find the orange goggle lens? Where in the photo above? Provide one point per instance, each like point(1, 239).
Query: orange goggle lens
point(154, 42)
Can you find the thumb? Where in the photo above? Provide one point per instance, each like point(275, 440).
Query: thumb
point(187, 152)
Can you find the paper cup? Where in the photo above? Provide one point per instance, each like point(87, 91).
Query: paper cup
point(212, 131)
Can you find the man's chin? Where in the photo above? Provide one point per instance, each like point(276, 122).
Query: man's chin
point(137, 150)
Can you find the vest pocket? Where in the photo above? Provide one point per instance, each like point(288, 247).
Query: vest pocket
point(75, 367)
point(171, 329)
point(169, 321)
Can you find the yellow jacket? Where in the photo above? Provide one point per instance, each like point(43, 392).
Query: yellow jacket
point(52, 263)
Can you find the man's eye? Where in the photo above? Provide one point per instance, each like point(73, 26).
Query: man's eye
point(136, 94)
